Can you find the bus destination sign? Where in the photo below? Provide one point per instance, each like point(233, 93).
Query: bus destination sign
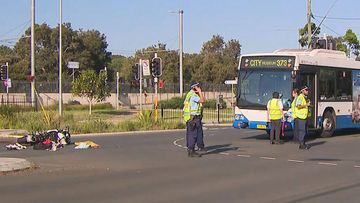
point(267, 62)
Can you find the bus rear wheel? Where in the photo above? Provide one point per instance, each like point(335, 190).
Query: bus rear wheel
point(328, 125)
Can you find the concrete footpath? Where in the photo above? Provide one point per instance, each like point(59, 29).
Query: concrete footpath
point(13, 164)
point(8, 164)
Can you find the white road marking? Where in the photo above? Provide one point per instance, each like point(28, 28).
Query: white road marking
point(243, 155)
point(326, 163)
point(262, 157)
point(267, 158)
point(209, 151)
point(297, 161)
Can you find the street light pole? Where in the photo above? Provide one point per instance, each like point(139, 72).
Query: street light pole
point(60, 61)
point(32, 73)
point(181, 12)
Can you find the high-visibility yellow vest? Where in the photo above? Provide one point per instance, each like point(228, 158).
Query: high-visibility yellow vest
point(187, 109)
point(274, 109)
point(302, 113)
point(293, 109)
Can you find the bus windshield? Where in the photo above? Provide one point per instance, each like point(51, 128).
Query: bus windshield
point(255, 87)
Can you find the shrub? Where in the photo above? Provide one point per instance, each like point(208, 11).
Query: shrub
point(128, 125)
point(211, 104)
point(8, 111)
point(173, 103)
point(92, 126)
point(79, 107)
point(73, 102)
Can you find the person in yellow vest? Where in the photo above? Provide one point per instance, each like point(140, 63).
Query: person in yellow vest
point(295, 94)
point(192, 117)
point(302, 110)
point(274, 114)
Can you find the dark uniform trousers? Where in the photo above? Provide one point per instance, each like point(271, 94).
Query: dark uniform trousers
point(194, 133)
point(296, 131)
point(301, 130)
point(275, 130)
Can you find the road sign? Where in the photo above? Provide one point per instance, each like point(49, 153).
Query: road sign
point(73, 64)
point(7, 83)
point(230, 82)
point(146, 67)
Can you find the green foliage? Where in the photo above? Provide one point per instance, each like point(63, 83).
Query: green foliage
point(87, 47)
point(79, 107)
point(352, 42)
point(173, 103)
point(128, 125)
point(7, 111)
point(303, 32)
point(145, 119)
point(92, 86)
point(211, 104)
point(30, 121)
point(92, 126)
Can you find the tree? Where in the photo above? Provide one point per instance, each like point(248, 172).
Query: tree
point(213, 46)
point(303, 32)
point(352, 42)
point(87, 47)
point(91, 85)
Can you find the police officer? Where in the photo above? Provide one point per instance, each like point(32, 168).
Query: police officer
point(274, 114)
point(302, 115)
point(192, 117)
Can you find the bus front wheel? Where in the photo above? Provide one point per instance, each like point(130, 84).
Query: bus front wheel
point(328, 124)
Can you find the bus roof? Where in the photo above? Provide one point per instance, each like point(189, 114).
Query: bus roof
point(317, 57)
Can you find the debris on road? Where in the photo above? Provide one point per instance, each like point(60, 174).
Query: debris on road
point(86, 144)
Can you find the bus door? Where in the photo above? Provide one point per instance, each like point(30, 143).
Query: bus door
point(309, 79)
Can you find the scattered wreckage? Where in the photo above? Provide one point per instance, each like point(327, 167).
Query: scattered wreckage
point(47, 140)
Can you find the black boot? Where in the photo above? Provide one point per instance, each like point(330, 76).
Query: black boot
point(193, 153)
point(304, 146)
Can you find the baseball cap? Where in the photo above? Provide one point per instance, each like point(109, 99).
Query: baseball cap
point(194, 84)
point(305, 88)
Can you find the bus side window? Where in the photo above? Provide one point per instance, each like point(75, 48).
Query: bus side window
point(327, 84)
point(343, 85)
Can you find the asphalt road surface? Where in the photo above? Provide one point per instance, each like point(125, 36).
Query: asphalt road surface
point(239, 166)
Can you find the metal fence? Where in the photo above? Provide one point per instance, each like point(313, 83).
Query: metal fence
point(17, 100)
point(52, 87)
point(209, 115)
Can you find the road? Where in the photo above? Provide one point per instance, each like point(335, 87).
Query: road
point(240, 166)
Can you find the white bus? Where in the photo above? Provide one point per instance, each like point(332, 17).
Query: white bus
point(333, 79)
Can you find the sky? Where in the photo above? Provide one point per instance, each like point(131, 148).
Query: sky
point(130, 25)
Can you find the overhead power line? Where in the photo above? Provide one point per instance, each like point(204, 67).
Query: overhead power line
point(333, 4)
point(337, 18)
point(332, 30)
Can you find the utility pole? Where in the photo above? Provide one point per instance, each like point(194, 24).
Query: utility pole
point(140, 81)
point(309, 22)
point(60, 61)
point(181, 12)
point(32, 73)
point(117, 90)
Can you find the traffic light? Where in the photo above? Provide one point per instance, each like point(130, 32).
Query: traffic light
point(156, 67)
point(136, 71)
point(3, 72)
